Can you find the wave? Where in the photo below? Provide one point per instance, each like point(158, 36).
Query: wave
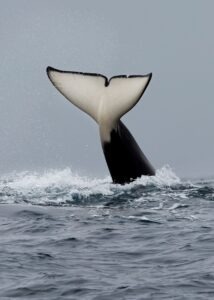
point(65, 188)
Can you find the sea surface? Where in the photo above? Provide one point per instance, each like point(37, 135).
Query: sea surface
point(64, 236)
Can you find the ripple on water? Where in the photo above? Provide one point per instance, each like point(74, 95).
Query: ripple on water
point(64, 236)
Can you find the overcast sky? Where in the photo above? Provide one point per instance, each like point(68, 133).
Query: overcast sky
point(173, 122)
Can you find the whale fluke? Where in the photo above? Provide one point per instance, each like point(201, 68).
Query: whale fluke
point(106, 101)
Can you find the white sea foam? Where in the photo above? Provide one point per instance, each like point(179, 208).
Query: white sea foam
point(64, 187)
point(159, 197)
point(66, 178)
point(63, 179)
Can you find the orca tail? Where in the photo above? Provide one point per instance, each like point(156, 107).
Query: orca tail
point(106, 101)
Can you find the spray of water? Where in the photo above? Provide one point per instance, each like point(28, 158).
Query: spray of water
point(65, 187)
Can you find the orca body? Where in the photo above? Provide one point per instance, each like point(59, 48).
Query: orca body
point(106, 101)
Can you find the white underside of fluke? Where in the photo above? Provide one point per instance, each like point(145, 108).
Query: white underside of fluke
point(105, 101)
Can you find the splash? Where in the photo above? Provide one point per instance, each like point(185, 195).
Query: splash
point(26, 181)
point(164, 177)
point(65, 187)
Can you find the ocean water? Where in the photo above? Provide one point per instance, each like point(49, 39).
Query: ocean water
point(63, 236)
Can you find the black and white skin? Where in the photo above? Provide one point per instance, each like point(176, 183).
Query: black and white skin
point(106, 101)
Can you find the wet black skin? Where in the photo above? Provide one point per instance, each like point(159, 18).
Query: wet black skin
point(124, 157)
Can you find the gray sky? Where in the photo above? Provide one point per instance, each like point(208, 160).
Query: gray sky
point(173, 123)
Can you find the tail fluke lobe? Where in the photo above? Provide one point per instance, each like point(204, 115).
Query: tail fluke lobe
point(82, 89)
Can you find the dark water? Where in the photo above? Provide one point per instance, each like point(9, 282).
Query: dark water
point(69, 237)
